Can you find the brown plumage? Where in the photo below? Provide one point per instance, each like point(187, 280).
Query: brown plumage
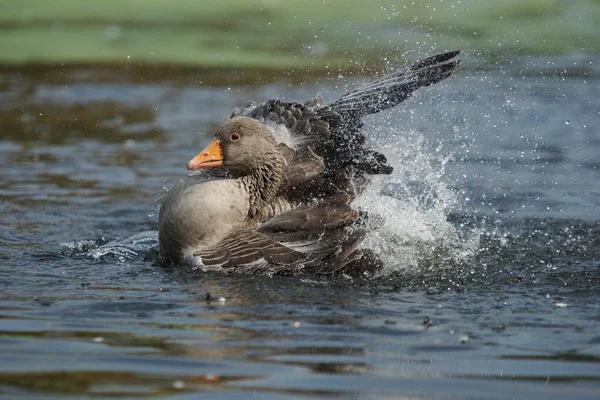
point(284, 177)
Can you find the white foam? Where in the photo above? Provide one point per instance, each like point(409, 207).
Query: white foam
point(410, 207)
point(124, 250)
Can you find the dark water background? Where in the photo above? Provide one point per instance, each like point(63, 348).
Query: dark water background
point(495, 198)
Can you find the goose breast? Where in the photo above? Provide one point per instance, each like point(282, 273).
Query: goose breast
point(200, 211)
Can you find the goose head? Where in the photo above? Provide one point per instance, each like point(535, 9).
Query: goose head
point(242, 145)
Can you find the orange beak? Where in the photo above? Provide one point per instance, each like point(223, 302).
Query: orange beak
point(210, 157)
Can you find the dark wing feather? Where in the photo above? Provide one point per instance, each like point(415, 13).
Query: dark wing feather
point(292, 241)
point(348, 252)
point(308, 218)
point(394, 88)
point(301, 165)
point(248, 251)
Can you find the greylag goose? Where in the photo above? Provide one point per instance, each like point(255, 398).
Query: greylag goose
point(273, 190)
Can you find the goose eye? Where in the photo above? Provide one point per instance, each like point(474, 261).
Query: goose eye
point(234, 137)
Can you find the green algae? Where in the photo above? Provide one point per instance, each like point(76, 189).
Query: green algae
point(275, 34)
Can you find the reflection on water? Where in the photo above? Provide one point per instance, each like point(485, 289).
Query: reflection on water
point(84, 309)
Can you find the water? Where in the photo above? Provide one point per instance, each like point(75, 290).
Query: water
point(490, 227)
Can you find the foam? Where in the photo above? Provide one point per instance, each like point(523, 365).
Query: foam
point(409, 208)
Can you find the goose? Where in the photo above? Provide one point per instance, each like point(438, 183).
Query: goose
point(273, 190)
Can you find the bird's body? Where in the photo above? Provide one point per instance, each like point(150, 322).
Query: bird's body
point(224, 211)
point(286, 174)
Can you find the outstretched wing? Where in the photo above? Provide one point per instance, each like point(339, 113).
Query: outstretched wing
point(394, 88)
point(344, 115)
point(322, 142)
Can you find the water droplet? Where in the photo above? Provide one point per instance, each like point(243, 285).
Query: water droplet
point(179, 384)
point(112, 32)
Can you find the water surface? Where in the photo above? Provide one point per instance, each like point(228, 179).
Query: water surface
point(490, 226)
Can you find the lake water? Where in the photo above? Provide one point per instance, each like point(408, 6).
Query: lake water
point(490, 228)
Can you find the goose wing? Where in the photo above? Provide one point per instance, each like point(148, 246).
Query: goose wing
point(318, 239)
point(320, 140)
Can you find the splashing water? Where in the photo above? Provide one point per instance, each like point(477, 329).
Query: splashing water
point(138, 246)
point(409, 209)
